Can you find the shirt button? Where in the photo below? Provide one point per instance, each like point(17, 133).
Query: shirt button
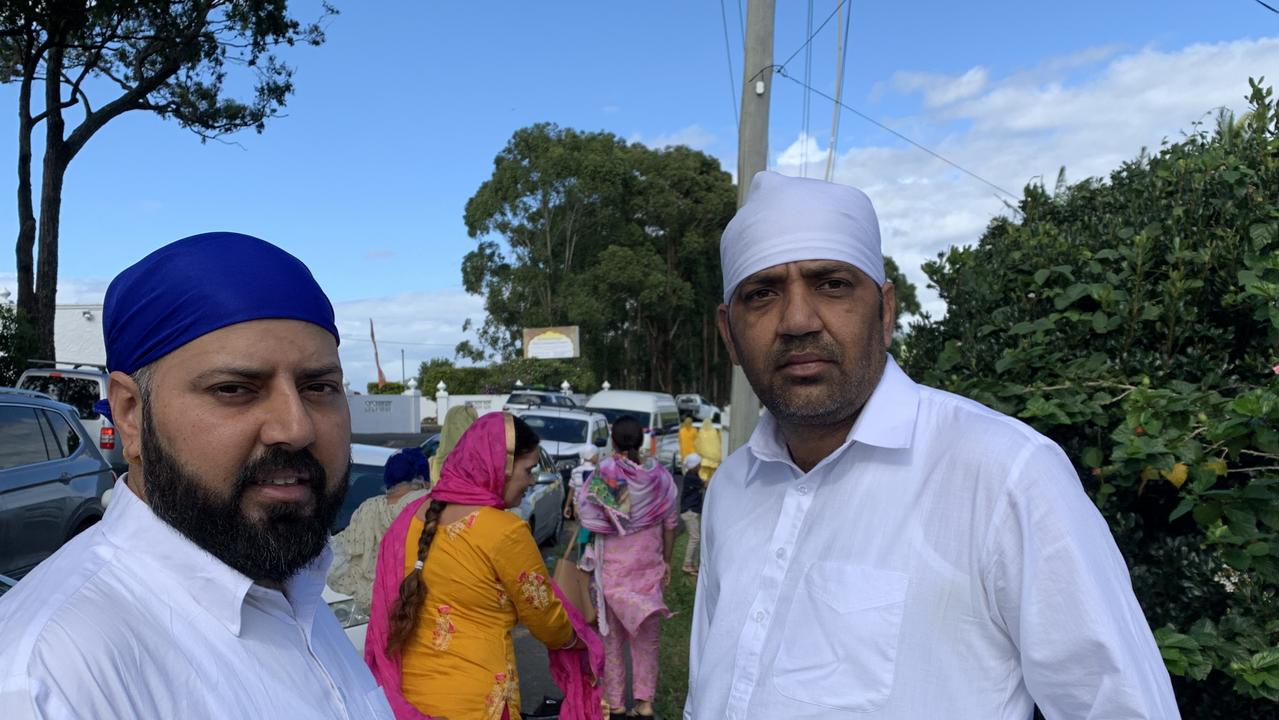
point(781, 553)
point(802, 489)
point(759, 616)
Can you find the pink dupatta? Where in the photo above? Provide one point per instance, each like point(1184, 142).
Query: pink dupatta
point(475, 473)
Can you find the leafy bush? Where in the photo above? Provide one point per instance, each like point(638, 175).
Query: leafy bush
point(1136, 322)
point(500, 378)
point(390, 388)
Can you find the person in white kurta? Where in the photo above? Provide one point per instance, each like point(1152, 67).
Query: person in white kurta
point(937, 560)
point(132, 620)
point(199, 594)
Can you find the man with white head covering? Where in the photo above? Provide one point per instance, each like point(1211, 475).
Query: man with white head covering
point(198, 595)
point(883, 550)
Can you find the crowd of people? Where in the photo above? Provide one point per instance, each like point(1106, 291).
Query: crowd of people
point(878, 549)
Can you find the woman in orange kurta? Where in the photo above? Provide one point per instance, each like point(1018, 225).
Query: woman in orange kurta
point(475, 574)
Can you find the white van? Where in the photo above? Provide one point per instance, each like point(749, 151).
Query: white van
point(657, 412)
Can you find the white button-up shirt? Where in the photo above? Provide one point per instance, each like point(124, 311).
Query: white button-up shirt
point(132, 620)
point(945, 562)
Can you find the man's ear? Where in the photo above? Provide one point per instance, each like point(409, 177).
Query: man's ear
point(726, 333)
point(126, 414)
point(889, 315)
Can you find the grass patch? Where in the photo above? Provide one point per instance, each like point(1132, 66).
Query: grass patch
point(672, 664)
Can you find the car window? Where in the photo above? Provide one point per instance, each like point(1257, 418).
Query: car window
point(669, 419)
point(544, 462)
point(614, 415)
point(366, 482)
point(558, 429)
point(601, 432)
point(60, 438)
point(80, 393)
point(21, 439)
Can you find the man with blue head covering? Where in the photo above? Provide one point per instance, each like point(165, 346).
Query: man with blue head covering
point(880, 549)
point(199, 593)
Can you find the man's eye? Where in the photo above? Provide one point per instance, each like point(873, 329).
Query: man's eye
point(231, 390)
point(321, 388)
point(835, 284)
point(758, 294)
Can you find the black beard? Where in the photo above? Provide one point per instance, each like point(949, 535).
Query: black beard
point(272, 549)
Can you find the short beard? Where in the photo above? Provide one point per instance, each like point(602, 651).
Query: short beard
point(842, 400)
point(272, 549)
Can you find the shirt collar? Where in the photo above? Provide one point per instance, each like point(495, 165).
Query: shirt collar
point(887, 420)
point(213, 585)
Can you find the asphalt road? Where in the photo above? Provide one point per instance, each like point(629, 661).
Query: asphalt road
point(530, 655)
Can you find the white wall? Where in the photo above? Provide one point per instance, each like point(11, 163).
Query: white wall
point(484, 404)
point(77, 334)
point(384, 414)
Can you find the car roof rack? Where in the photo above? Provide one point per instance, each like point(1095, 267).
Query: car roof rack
point(26, 393)
point(73, 364)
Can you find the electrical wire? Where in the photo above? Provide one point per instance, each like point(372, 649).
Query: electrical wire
point(839, 93)
point(1271, 8)
point(782, 71)
point(728, 55)
point(806, 114)
point(813, 34)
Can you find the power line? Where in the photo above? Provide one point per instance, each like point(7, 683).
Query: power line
point(806, 115)
point(728, 55)
point(1268, 7)
point(741, 23)
point(814, 34)
point(782, 71)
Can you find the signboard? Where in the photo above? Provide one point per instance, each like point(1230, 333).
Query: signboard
point(552, 343)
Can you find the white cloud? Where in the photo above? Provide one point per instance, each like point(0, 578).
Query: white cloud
point(71, 291)
point(693, 136)
point(942, 90)
point(424, 325)
point(1029, 125)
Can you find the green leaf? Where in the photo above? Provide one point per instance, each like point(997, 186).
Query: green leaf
point(1093, 457)
point(1042, 275)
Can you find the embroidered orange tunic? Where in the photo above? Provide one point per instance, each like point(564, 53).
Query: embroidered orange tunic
point(484, 575)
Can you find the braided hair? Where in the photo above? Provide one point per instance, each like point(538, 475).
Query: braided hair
point(407, 607)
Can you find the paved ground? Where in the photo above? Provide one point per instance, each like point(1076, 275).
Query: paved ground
point(530, 655)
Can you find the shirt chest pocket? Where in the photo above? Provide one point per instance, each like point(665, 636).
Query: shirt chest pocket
point(840, 646)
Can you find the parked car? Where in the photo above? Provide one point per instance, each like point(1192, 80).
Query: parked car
point(566, 433)
point(657, 412)
point(529, 399)
point(697, 407)
point(80, 386)
point(354, 622)
point(52, 479)
point(431, 446)
point(367, 465)
point(541, 506)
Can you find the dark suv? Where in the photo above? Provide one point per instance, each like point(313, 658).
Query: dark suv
point(52, 478)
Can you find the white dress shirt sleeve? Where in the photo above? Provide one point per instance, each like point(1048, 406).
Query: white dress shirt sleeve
point(1058, 585)
point(702, 603)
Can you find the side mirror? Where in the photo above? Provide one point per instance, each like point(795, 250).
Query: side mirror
point(600, 442)
point(547, 477)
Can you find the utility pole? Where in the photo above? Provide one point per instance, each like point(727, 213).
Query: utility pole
point(752, 157)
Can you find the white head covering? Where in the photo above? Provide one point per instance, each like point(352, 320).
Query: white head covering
point(692, 461)
point(787, 219)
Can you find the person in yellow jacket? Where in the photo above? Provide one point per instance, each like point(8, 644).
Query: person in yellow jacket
point(687, 437)
point(709, 446)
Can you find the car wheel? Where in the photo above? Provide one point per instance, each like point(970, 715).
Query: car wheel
point(84, 525)
point(559, 529)
point(532, 527)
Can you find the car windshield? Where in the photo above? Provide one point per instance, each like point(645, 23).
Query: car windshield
point(80, 393)
point(613, 415)
point(559, 429)
point(526, 399)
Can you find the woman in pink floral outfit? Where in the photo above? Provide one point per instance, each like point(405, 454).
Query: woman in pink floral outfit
point(631, 510)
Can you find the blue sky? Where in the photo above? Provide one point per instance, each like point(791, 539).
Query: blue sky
point(396, 120)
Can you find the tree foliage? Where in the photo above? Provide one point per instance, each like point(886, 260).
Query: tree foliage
point(582, 228)
point(500, 378)
point(79, 65)
point(578, 228)
point(1136, 322)
point(17, 344)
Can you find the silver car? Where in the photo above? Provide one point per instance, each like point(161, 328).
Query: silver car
point(80, 386)
point(52, 479)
